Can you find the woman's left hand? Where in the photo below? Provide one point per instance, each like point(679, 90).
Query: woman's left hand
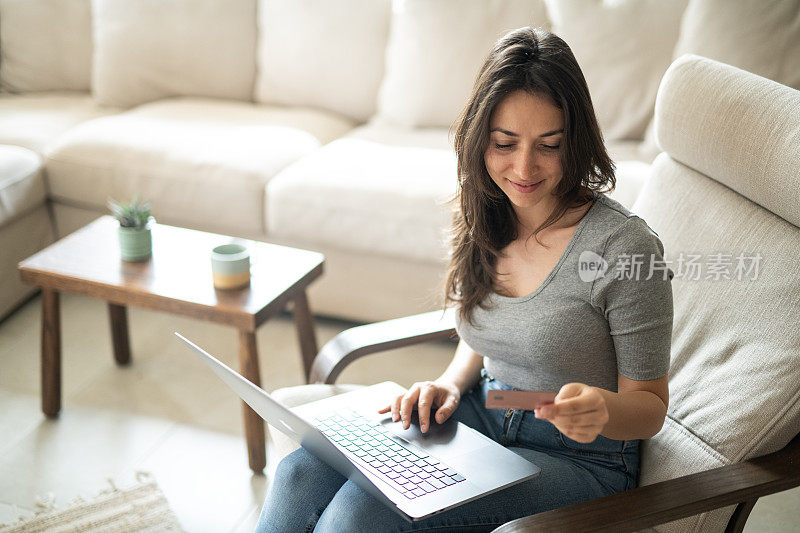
point(579, 412)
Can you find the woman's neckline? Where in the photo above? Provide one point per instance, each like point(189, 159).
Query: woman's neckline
point(557, 266)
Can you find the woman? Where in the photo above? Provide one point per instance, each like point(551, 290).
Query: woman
point(544, 303)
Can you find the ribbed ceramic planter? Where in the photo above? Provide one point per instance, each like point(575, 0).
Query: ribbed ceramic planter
point(230, 266)
point(135, 244)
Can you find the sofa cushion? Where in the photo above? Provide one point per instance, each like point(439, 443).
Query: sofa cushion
point(21, 184)
point(35, 120)
point(631, 170)
point(726, 191)
point(202, 163)
point(758, 160)
point(626, 151)
point(435, 50)
point(45, 45)
point(25, 223)
point(762, 37)
point(623, 48)
point(21, 238)
point(363, 193)
point(322, 54)
point(753, 35)
point(150, 49)
point(631, 177)
point(387, 186)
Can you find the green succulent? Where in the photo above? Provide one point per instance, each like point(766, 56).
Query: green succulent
point(134, 214)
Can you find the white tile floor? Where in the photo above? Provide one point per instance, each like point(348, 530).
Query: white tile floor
point(166, 414)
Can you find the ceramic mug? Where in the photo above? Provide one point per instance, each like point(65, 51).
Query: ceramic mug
point(230, 266)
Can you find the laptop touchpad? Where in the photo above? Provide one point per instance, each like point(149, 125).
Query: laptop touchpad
point(441, 440)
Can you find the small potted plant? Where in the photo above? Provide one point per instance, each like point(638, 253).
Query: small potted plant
point(135, 240)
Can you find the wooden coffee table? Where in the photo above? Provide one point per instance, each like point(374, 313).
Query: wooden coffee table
point(177, 279)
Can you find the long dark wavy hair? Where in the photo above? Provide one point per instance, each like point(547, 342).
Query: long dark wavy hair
point(484, 221)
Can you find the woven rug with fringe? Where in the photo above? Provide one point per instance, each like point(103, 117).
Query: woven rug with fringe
point(141, 507)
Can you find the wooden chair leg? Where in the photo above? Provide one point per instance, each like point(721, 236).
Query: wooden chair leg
point(51, 353)
point(740, 515)
point(253, 423)
point(119, 333)
point(304, 324)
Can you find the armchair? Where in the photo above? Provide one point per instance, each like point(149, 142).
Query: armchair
point(725, 189)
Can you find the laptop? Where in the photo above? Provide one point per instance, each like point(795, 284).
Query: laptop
point(415, 474)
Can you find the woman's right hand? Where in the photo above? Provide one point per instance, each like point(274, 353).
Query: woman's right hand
point(442, 396)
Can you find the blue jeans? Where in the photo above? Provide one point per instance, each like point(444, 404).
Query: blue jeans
point(308, 495)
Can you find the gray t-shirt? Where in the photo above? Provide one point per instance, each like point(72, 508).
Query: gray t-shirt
point(584, 323)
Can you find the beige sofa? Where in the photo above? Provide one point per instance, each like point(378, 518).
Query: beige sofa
point(719, 192)
point(322, 125)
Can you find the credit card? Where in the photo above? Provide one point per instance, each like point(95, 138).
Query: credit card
point(527, 400)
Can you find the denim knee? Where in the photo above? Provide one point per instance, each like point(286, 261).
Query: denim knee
point(302, 488)
point(355, 511)
point(295, 469)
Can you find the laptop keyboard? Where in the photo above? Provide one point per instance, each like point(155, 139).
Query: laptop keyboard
point(412, 473)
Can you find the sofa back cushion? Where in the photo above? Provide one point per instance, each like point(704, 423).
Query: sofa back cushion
point(725, 199)
point(146, 50)
point(322, 53)
point(435, 50)
point(45, 45)
point(623, 48)
point(759, 36)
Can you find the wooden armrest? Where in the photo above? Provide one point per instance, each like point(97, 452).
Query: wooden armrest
point(357, 342)
point(670, 500)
